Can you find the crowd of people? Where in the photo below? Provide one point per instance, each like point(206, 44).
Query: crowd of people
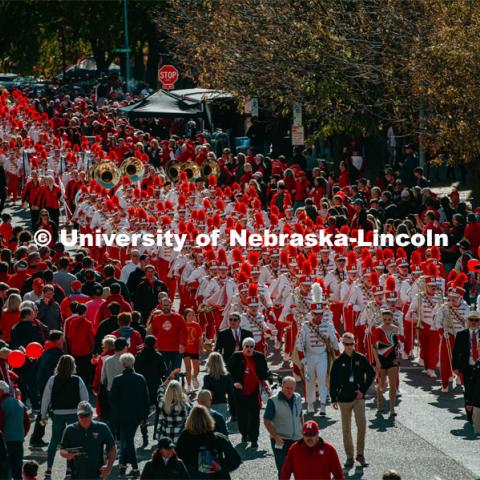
point(124, 332)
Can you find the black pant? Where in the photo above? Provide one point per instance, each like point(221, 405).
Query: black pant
point(15, 459)
point(38, 431)
point(35, 216)
point(248, 413)
point(467, 389)
point(28, 383)
point(84, 369)
point(54, 215)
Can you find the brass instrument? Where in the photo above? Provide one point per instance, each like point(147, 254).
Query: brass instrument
point(209, 167)
point(192, 170)
point(173, 170)
point(105, 173)
point(133, 168)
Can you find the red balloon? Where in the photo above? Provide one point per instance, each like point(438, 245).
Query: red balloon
point(473, 265)
point(16, 359)
point(34, 350)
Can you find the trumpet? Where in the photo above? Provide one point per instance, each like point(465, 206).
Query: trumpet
point(133, 168)
point(209, 167)
point(105, 173)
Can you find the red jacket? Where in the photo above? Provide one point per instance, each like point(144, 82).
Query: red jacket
point(170, 331)
point(134, 339)
point(79, 336)
point(30, 193)
point(17, 280)
point(49, 198)
point(321, 460)
point(103, 311)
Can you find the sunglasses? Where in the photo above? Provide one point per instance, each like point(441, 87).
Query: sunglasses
point(249, 347)
point(348, 344)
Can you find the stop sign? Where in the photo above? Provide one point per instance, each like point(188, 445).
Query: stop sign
point(168, 75)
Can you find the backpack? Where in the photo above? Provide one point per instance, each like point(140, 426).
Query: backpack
point(208, 461)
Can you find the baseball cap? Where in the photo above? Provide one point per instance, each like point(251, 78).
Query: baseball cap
point(76, 284)
point(310, 428)
point(165, 442)
point(84, 408)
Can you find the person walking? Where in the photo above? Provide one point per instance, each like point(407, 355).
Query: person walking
point(193, 349)
point(249, 371)
point(312, 457)
point(62, 394)
point(14, 423)
point(204, 398)
point(350, 379)
point(219, 382)
point(173, 409)
point(130, 408)
point(283, 419)
point(465, 354)
point(164, 464)
point(84, 443)
point(206, 454)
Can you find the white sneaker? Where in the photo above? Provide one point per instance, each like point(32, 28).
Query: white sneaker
point(195, 383)
point(323, 409)
point(404, 356)
point(431, 373)
point(310, 408)
point(188, 389)
point(445, 390)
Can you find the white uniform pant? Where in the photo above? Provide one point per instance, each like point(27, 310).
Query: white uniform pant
point(316, 368)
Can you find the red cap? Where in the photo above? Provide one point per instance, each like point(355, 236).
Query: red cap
point(76, 284)
point(310, 428)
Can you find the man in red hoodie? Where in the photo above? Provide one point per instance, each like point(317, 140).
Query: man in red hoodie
point(18, 279)
point(79, 336)
point(171, 333)
point(133, 338)
point(115, 296)
point(312, 456)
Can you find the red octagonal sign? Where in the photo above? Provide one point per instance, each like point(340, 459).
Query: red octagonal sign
point(168, 75)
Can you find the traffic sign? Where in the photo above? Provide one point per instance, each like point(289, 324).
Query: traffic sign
point(168, 75)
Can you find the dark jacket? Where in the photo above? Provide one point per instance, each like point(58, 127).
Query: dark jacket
point(220, 424)
point(25, 332)
point(145, 297)
point(107, 326)
point(123, 288)
point(472, 394)
point(341, 389)
point(237, 362)
point(49, 314)
point(219, 387)
point(46, 364)
point(225, 343)
point(129, 397)
point(189, 445)
point(151, 365)
point(461, 351)
point(174, 468)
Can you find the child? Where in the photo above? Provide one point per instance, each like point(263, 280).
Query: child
point(193, 348)
point(30, 470)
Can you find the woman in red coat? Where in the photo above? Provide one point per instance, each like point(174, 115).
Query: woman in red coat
point(344, 177)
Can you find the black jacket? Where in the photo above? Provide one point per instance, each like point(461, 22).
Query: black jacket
point(46, 366)
point(151, 365)
point(25, 332)
point(226, 342)
point(236, 366)
point(341, 389)
point(472, 394)
point(461, 350)
point(123, 288)
point(174, 468)
point(107, 326)
point(145, 297)
point(129, 397)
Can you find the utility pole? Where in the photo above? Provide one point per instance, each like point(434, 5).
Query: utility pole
point(127, 49)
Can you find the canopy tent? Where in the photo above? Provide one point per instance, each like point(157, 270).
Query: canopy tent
point(192, 102)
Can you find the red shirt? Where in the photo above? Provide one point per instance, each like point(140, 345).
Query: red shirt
point(194, 335)
point(170, 331)
point(303, 460)
point(30, 193)
point(49, 198)
point(250, 377)
point(7, 322)
point(17, 280)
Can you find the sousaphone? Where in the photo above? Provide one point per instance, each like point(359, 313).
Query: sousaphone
point(133, 168)
point(105, 173)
